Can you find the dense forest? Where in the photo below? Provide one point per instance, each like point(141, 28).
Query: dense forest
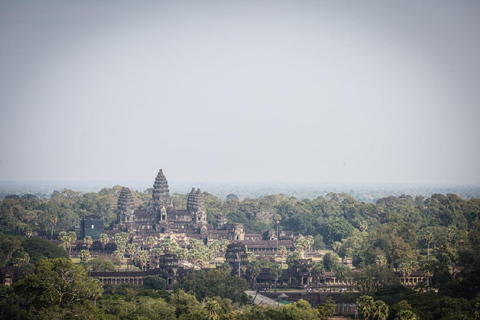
point(439, 235)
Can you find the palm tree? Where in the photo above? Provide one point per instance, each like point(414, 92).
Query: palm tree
point(104, 239)
point(88, 242)
point(429, 268)
point(310, 242)
point(254, 269)
point(131, 249)
point(142, 257)
point(53, 222)
point(73, 238)
point(301, 245)
point(336, 245)
point(64, 238)
point(212, 307)
point(366, 306)
point(150, 241)
point(381, 260)
point(223, 245)
point(181, 254)
point(120, 240)
point(118, 255)
point(168, 245)
point(215, 247)
point(251, 257)
point(84, 255)
point(276, 272)
point(380, 311)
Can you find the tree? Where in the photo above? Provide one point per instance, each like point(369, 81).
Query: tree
point(335, 246)
point(301, 244)
point(253, 270)
point(406, 314)
point(118, 255)
point(150, 241)
point(406, 268)
point(120, 240)
point(381, 260)
point(64, 238)
point(330, 261)
point(84, 255)
point(335, 229)
point(326, 309)
point(212, 307)
point(142, 257)
point(53, 222)
point(56, 283)
point(341, 271)
point(131, 249)
point(154, 283)
point(215, 247)
point(213, 283)
point(88, 242)
point(104, 239)
point(73, 237)
point(168, 245)
point(100, 265)
point(366, 306)
point(381, 310)
point(292, 257)
point(276, 272)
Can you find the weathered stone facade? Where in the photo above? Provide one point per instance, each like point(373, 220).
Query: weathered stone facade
point(161, 216)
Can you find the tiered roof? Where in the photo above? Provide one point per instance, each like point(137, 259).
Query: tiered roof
point(161, 194)
point(125, 200)
point(195, 201)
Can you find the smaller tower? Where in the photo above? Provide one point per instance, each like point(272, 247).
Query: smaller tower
point(125, 207)
point(196, 206)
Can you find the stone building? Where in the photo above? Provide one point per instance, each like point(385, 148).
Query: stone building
point(162, 220)
point(161, 216)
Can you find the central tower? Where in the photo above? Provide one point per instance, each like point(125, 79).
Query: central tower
point(161, 194)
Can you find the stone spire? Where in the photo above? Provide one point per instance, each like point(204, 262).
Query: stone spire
point(191, 200)
point(196, 206)
point(125, 206)
point(161, 194)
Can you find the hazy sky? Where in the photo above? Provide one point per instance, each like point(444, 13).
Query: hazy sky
point(290, 91)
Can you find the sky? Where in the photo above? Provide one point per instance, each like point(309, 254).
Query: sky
point(240, 91)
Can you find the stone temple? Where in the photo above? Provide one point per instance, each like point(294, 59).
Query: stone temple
point(161, 215)
point(162, 220)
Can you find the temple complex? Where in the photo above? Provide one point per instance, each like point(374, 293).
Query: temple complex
point(163, 220)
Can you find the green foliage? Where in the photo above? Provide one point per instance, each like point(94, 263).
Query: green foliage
point(154, 283)
point(13, 248)
point(335, 229)
point(56, 285)
point(331, 261)
point(99, 265)
point(213, 283)
point(326, 309)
